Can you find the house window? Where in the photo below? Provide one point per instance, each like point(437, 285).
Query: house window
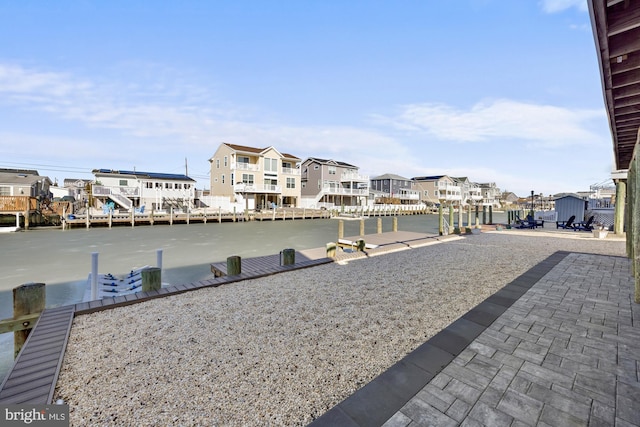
point(123, 182)
point(316, 167)
point(226, 160)
point(270, 165)
point(168, 185)
point(5, 191)
point(243, 159)
point(223, 178)
point(304, 184)
point(426, 193)
point(148, 184)
point(178, 186)
point(217, 163)
point(247, 178)
point(291, 183)
point(233, 178)
point(332, 170)
point(187, 186)
point(158, 185)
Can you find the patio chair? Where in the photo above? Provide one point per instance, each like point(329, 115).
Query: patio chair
point(527, 223)
point(584, 226)
point(566, 224)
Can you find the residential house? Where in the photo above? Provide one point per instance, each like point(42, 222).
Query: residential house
point(134, 189)
point(24, 182)
point(438, 189)
point(394, 189)
point(490, 194)
point(470, 192)
point(329, 183)
point(509, 199)
point(255, 177)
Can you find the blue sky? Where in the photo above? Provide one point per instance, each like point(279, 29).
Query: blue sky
point(498, 91)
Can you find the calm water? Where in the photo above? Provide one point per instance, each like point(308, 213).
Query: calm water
point(62, 259)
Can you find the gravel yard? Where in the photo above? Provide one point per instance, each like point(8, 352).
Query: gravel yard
point(283, 349)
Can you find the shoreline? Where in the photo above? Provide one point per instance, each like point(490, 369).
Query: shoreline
point(285, 348)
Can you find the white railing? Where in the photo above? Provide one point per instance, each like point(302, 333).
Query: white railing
point(253, 167)
point(344, 191)
point(101, 190)
point(255, 188)
point(353, 176)
point(291, 171)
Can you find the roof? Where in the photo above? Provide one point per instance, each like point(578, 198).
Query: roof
point(255, 150)
point(19, 171)
point(140, 174)
point(18, 177)
point(563, 195)
point(391, 176)
point(330, 162)
point(616, 31)
point(428, 178)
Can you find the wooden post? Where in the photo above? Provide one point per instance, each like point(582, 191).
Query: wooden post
point(288, 256)
point(362, 227)
point(340, 229)
point(110, 218)
point(331, 250)
point(477, 219)
point(451, 218)
point(440, 220)
point(219, 215)
point(29, 298)
point(460, 217)
point(151, 279)
point(151, 216)
point(395, 223)
point(133, 216)
point(633, 182)
point(490, 214)
point(621, 193)
point(88, 219)
point(171, 215)
point(234, 265)
point(234, 214)
point(484, 215)
point(469, 217)
point(379, 228)
point(188, 216)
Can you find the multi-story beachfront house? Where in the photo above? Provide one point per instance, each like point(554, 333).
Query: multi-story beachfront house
point(490, 194)
point(257, 178)
point(394, 188)
point(329, 183)
point(139, 190)
point(438, 189)
point(471, 194)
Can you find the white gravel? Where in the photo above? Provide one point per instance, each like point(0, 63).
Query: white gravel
point(284, 349)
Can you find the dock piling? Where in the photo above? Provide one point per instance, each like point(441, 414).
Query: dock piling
point(234, 265)
point(151, 279)
point(28, 299)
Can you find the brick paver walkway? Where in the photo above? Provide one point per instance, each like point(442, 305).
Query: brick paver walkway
point(565, 353)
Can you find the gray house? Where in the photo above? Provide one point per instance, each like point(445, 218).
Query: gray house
point(23, 182)
point(570, 204)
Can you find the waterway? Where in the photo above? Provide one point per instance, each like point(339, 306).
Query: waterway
point(62, 259)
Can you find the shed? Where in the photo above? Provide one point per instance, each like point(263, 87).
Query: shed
point(570, 204)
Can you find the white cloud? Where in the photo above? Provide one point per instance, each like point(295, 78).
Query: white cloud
point(555, 6)
point(538, 125)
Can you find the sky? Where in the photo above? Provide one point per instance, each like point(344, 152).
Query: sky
point(496, 91)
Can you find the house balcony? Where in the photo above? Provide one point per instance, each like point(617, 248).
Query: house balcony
point(290, 171)
point(101, 190)
point(257, 188)
point(341, 191)
point(353, 177)
point(250, 167)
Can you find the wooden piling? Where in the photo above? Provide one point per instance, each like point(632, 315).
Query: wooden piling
point(151, 279)
point(379, 225)
point(288, 256)
point(451, 219)
point(362, 227)
point(29, 298)
point(440, 220)
point(340, 229)
point(234, 265)
point(395, 224)
point(490, 214)
point(331, 250)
